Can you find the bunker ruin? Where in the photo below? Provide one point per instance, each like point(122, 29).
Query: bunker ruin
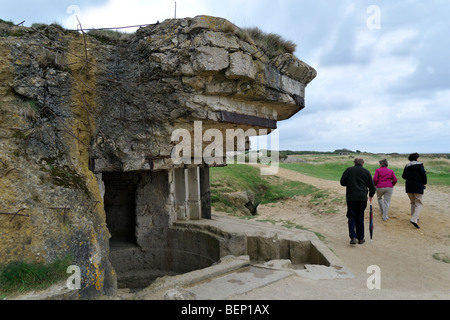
point(89, 122)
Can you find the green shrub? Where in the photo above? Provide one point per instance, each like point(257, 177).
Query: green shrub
point(241, 177)
point(109, 36)
point(7, 22)
point(65, 176)
point(272, 44)
point(442, 257)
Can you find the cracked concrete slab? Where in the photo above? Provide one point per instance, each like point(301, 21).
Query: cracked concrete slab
point(238, 282)
point(319, 272)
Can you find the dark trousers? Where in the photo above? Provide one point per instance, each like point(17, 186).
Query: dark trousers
point(355, 215)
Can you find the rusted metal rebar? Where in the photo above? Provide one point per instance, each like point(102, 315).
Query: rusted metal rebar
point(14, 214)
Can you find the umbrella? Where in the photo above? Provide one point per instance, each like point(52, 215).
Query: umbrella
point(371, 222)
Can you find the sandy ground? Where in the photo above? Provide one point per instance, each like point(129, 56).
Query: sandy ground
point(403, 253)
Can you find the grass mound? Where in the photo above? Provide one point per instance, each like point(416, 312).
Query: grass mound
point(23, 276)
point(241, 177)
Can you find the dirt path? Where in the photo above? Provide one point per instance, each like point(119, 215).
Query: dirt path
point(403, 253)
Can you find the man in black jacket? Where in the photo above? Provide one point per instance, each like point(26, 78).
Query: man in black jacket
point(416, 179)
point(359, 183)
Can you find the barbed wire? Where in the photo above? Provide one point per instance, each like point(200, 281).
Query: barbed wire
point(94, 29)
point(115, 28)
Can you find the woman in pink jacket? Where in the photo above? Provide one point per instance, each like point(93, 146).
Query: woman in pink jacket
point(385, 181)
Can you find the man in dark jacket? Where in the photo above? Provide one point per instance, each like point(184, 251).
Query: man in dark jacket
point(416, 179)
point(359, 182)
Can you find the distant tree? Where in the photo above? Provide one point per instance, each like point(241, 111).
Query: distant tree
point(343, 150)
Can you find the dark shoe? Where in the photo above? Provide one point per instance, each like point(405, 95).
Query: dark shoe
point(415, 225)
point(353, 241)
point(361, 241)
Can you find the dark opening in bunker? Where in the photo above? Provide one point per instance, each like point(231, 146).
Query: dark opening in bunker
point(120, 207)
point(144, 244)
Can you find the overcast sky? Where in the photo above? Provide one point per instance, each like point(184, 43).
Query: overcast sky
point(383, 81)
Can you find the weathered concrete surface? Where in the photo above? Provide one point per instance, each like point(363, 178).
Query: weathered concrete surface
point(264, 242)
point(180, 71)
point(239, 282)
point(57, 291)
point(236, 275)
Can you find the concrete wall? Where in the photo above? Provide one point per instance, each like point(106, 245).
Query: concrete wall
point(170, 251)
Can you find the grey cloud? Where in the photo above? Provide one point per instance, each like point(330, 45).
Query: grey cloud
point(430, 48)
point(351, 77)
point(433, 67)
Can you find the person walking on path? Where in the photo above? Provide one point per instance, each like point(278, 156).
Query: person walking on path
point(416, 179)
point(385, 180)
point(359, 183)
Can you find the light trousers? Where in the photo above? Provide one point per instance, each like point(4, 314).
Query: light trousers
point(416, 205)
point(384, 196)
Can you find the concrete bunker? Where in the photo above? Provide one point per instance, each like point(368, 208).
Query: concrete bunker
point(140, 208)
point(191, 72)
point(108, 110)
point(156, 226)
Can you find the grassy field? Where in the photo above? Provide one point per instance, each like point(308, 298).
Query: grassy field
point(331, 167)
point(271, 189)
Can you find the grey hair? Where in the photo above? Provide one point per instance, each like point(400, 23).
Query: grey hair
point(359, 161)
